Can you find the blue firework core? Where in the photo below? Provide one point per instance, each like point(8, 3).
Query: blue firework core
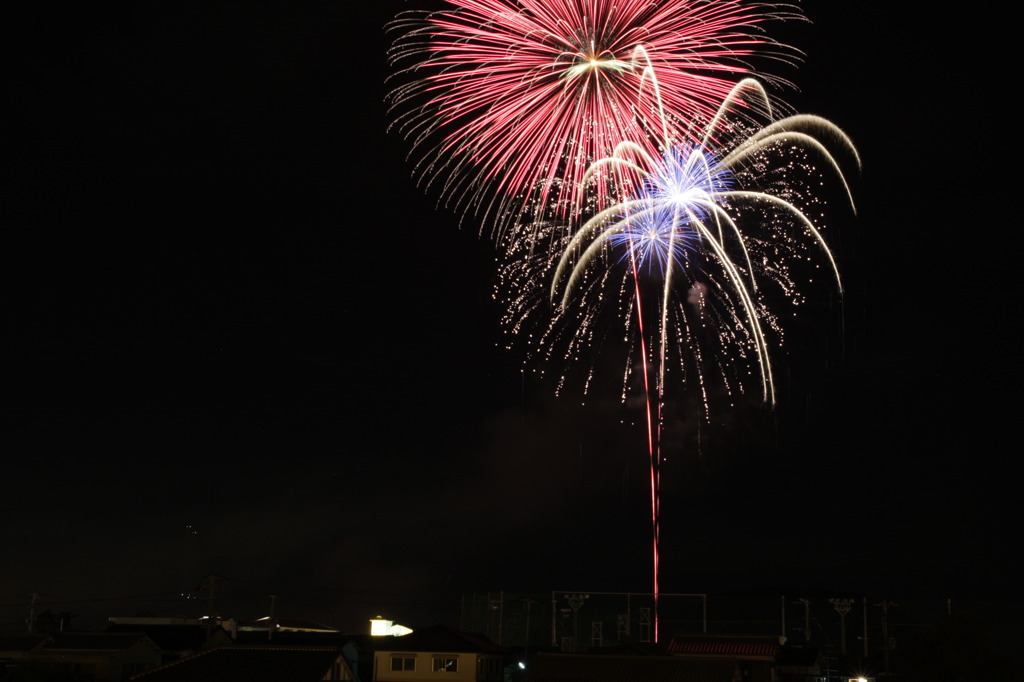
point(662, 226)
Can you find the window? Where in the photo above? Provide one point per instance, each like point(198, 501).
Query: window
point(403, 662)
point(446, 664)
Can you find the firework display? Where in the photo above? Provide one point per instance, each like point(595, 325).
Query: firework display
point(508, 102)
point(686, 220)
point(643, 186)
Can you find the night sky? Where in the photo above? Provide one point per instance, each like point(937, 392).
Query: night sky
point(240, 341)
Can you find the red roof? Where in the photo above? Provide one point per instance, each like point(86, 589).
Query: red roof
point(725, 645)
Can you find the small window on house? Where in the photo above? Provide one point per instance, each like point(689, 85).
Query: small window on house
point(446, 664)
point(403, 662)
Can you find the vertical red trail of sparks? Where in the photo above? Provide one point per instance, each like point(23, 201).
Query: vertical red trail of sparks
point(653, 440)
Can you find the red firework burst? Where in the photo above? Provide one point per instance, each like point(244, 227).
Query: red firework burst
point(508, 102)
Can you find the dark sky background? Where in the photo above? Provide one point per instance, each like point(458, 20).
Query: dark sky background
point(240, 341)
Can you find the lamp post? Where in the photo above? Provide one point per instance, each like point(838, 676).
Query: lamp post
point(807, 617)
point(842, 607)
point(576, 602)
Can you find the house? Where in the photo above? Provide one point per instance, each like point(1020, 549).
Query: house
point(15, 649)
point(755, 656)
point(107, 657)
point(438, 653)
point(176, 637)
point(255, 663)
point(553, 667)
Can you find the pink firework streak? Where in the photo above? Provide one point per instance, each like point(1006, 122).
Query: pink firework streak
point(508, 103)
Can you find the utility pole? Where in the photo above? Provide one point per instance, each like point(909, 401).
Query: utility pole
point(864, 603)
point(526, 640)
point(554, 621)
point(32, 612)
point(211, 586)
point(885, 604)
point(783, 633)
point(495, 608)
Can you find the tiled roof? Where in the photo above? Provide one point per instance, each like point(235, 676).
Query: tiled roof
point(725, 645)
point(611, 668)
point(248, 663)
